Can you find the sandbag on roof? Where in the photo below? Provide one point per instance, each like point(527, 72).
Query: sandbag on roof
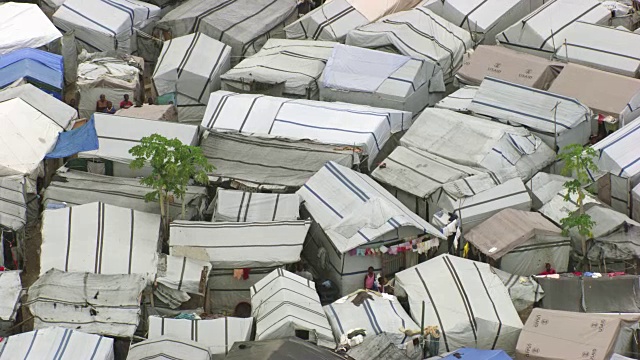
point(97, 304)
point(105, 25)
point(217, 335)
point(243, 25)
point(232, 205)
point(168, 347)
point(54, 109)
point(509, 65)
point(269, 162)
point(543, 31)
point(332, 123)
point(484, 19)
point(478, 143)
point(284, 303)
point(56, 341)
point(418, 33)
point(466, 301)
point(182, 71)
point(558, 120)
point(24, 26)
point(290, 68)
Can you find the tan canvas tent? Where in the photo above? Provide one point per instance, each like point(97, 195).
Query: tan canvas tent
point(509, 65)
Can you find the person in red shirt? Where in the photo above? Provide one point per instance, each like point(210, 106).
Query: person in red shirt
point(548, 270)
point(125, 104)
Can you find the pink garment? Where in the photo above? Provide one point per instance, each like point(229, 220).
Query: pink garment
point(369, 281)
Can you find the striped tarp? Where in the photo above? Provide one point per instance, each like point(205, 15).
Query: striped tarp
point(168, 347)
point(57, 343)
point(242, 206)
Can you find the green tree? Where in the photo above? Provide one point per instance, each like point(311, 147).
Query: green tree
point(172, 164)
point(578, 160)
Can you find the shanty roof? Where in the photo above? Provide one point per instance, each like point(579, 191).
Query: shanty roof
point(25, 26)
point(619, 153)
point(168, 347)
point(13, 202)
point(182, 273)
point(51, 107)
point(233, 205)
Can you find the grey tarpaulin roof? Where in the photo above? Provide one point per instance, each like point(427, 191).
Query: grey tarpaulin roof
point(623, 244)
point(523, 290)
point(167, 347)
point(543, 187)
point(381, 347)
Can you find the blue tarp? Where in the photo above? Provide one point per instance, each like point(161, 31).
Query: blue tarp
point(476, 354)
point(45, 70)
point(77, 140)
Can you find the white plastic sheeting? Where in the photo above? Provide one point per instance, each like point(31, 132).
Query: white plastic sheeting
point(98, 304)
point(543, 187)
point(237, 245)
point(418, 33)
point(180, 70)
point(284, 303)
point(465, 299)
point(558, 120)
point(10, 292)
point(217, 335)
point(57, 343)
point(459, 100)
point(105, 25)
point(182, 273)
point(24, 26)
point(333, 123)
point(13, 202)
point(237, 206)
point(619, 153)
point(167, 347)
point(27, 136)
point(51, 107)
point(635, 203)
point(101, 239)
point(478, 143)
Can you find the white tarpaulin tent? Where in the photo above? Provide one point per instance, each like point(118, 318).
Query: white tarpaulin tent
point(13, 202)
point(542, 31)
point(601, 47)
point(478, 143)
point(151, 112)
point(332, 20)
point(26, 137)
point(418, 33)
point(466, 301)
point(284, 303)
point(218, 335)
point(483, 18)
point(556, 119)
point(241, 206)
point(101, 239)
point(167, 347)
point(635, 205)
point(51, 107)
point(370, 77)
point(543, 187)
point(181, 273)
point(181, 70)
point(377, 314)
point(459, 100)
point(57, 343)
point(289, 68)
point(24, 26)
point(98, 304)
point(105, 25)
point(243, 25)
point(333, 123)
point(10, 292)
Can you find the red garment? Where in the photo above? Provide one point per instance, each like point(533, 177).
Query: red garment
point(550, 272)
point(125, 104)
point(245, 273)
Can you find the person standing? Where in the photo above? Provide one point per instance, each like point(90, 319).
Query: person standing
point(126, 103)
point(370, 280)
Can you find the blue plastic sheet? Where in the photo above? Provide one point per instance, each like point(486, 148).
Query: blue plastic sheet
point(77, 140)
point(43, 69)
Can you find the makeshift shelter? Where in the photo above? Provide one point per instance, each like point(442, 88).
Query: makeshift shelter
point(412, 175)
point(483, 19)
point(278, 349)
point(329, 123)
point(245, 26)
point(284, 305)
point(543, 187)
point(37, 67)
point(168, 347)
point(370, 77)
point(465, 300)
point(98, 304)
point(508, 65)
point(543, 31)
point(52, 108)
point(180, 278)
point(605, 93)
point(24, 26)
point(216, 335)
point(14, 202)
point(332, 20)
point(379, 347)
point(459, 100)
point(602, 47)
point(118, 134)
point(77, 188)
point(552, 334)
point(353, 215)
point(151, 112)
point(105, 25)
point(521, 242)
point(615, 244)
point(126, 241)
point(233, 205)
point(289, 68)
point(418, 33)
point(10, 293)
point(232, 246)
point(276, 164)
point(56, 341)
point(557, 120)
point(377, 314)
point(182, 74)
point(99, 74)
point(478, 143)
point(524, 291)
